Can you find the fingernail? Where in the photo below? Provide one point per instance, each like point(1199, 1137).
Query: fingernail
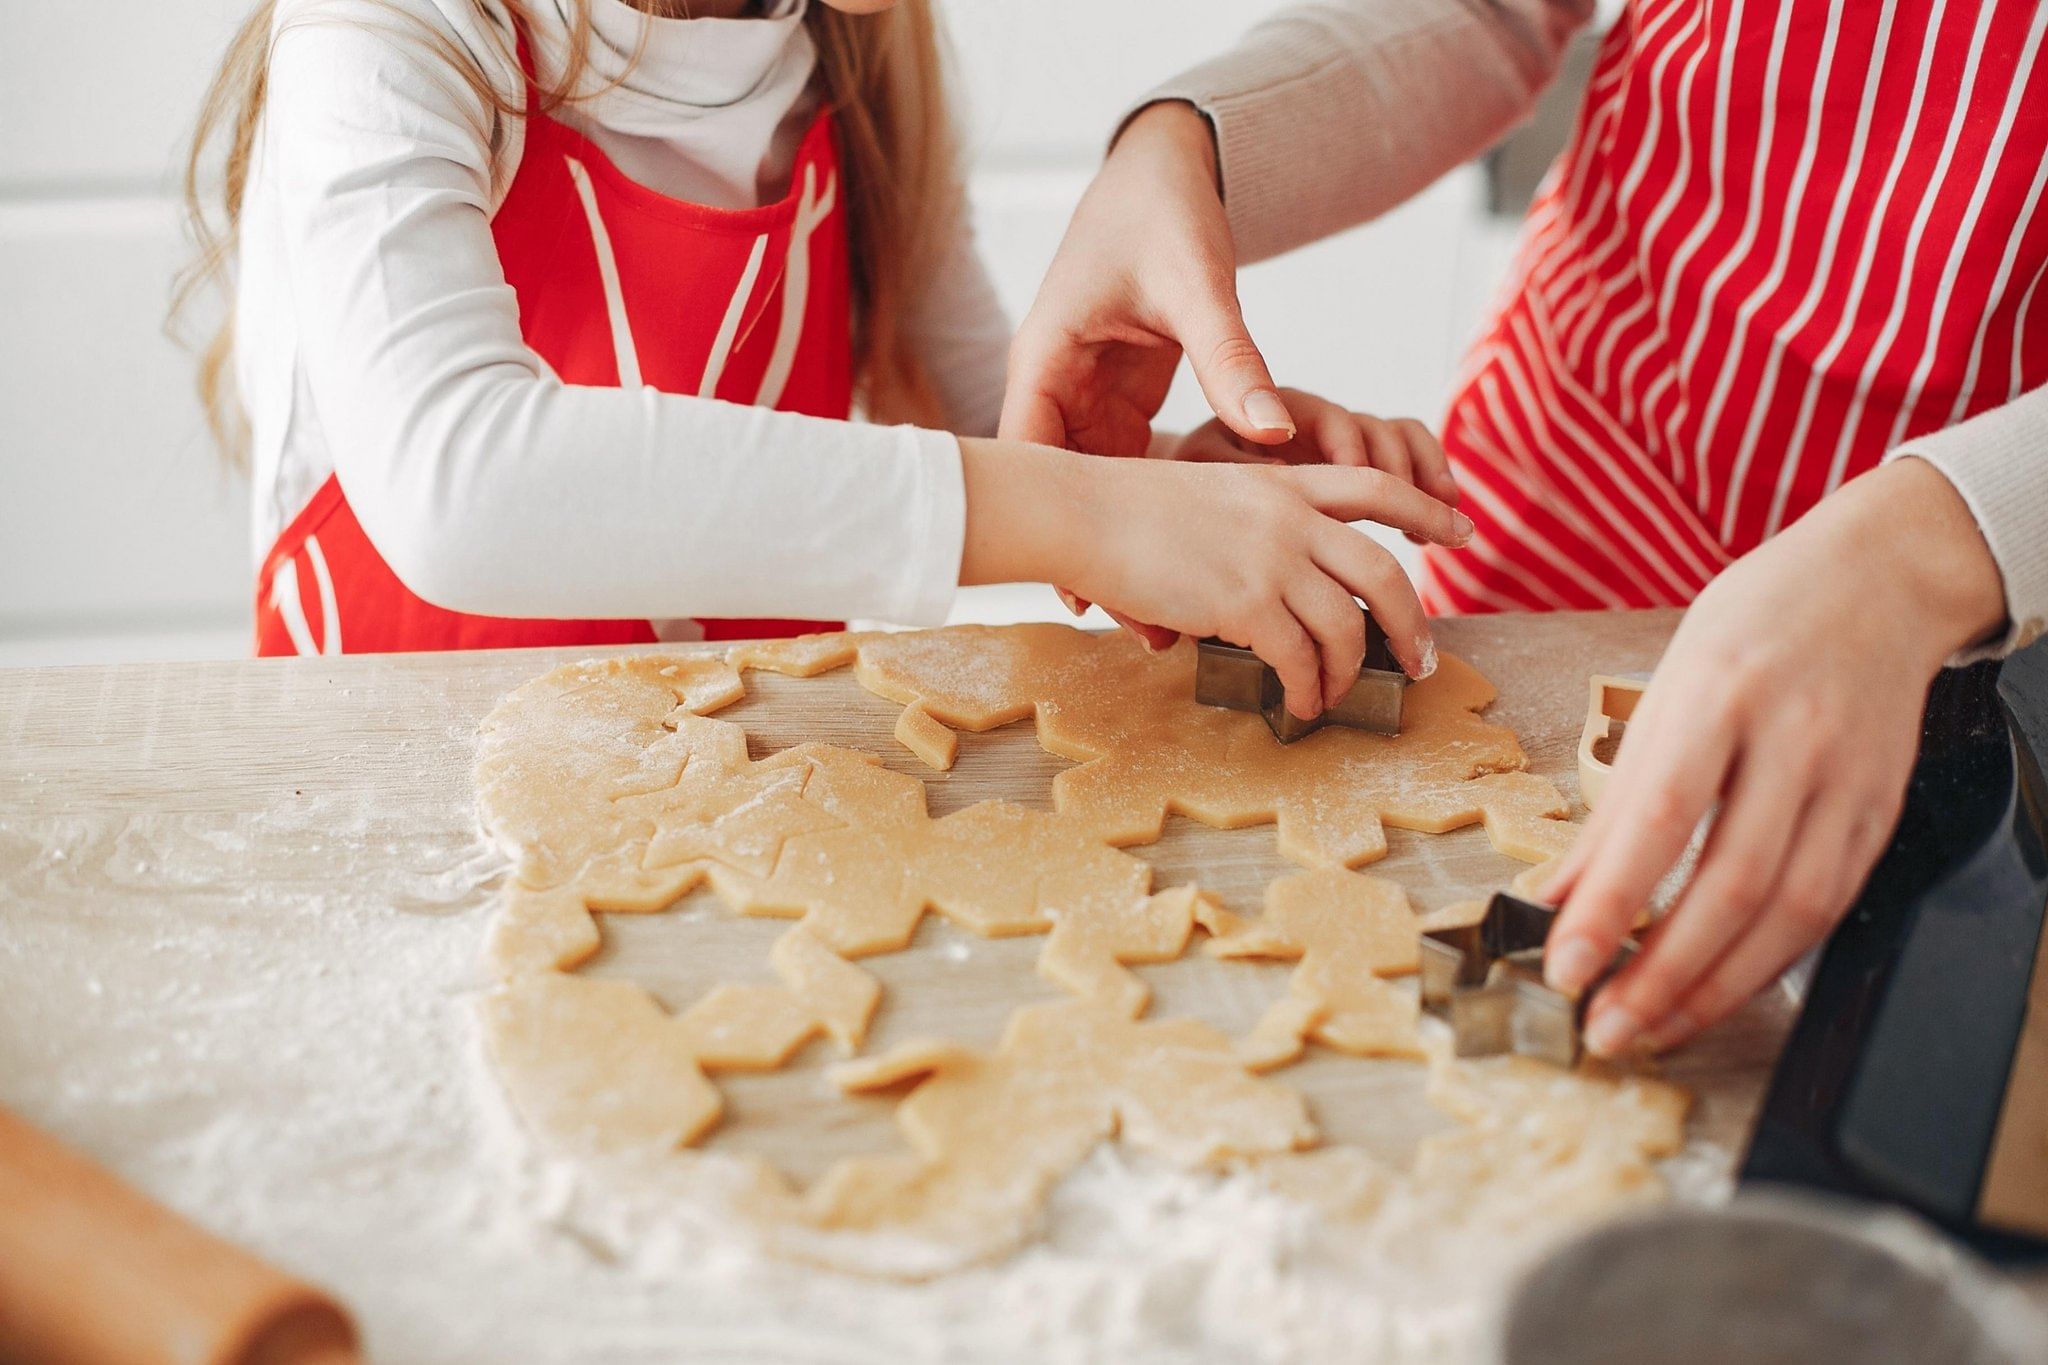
point(1678, 1026)
point(1613, 1029)
point(1571, 965)
point(1427, 665)
point(1263, 408)
point(1461, 528)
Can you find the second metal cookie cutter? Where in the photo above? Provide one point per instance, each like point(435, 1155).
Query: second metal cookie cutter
point(1610, 707)
point(1231, 675)
point(1486, 980)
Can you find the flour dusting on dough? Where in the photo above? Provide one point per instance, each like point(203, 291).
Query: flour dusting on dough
point(613, 792)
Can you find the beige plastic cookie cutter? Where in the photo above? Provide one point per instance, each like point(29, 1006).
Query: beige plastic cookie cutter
point(1610, 705)
point(1486, 981)
point(1232, 676)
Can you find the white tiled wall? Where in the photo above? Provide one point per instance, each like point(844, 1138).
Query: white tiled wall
point(120, 537)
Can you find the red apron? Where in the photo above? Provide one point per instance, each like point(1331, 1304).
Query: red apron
point(617, 286)
point(1787, 235)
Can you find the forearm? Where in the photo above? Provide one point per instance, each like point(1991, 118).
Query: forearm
point(1906, 522)
point(1996, 470)
point(1329, 114)
point(1024, 505)
point(511, 495)
point(488, 484)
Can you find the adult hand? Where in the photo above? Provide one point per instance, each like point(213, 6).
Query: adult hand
point(1146, 272)
point(1791, 695)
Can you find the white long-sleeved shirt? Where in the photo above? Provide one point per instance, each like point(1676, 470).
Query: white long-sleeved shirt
point(376, 337)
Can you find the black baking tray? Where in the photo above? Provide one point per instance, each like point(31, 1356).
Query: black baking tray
point(1891, 1083)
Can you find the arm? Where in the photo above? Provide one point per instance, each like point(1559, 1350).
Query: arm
point(1322, 117)
point(489, 485)
point(1790, 698)
point(1329, 114)
point(1997, 462)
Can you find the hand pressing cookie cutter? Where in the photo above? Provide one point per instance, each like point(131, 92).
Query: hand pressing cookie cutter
point(1486, 981)
point(1610, 705)
point(1232, 676)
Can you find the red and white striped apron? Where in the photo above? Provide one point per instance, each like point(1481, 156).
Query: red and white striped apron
point(617, 286)
point(1784, 238)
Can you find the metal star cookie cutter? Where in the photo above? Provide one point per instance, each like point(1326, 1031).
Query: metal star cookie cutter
point(1486, 981)
point(1232, 676)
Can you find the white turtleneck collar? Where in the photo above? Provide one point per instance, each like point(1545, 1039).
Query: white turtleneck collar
point(708, 110)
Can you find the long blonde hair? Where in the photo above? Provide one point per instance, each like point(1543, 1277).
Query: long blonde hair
point(882, 76)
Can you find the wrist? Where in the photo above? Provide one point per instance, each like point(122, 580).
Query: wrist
point(1909, 526)
point(1177, 130)
point(1022, 518)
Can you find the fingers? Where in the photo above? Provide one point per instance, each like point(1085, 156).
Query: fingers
point(1229, 367)
point(1364, 569)
point(1432, 467)
point(1838, 844)
point(1372, 495)
point(1154, 638)
point(1032, 415)
point(1737, 879)
point(1331, 616)
point(1281, 641)
point(1330, 434)
point(1386, 447)
point(1665, 778)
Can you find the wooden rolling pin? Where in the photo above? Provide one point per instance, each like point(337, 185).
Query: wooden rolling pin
point(94, 1273)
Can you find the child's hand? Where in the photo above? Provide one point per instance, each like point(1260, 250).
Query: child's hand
point(1260, 556)
point(1327, 433)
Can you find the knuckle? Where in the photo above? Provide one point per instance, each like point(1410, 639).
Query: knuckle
point(1254, 604)
point(1376, 482)
point(1654, 985)
point(1807, 717)
point(1741, 890)
point(1236, 351)
point(1873, 830)
point(1602, 913)
point(1710, 1000)
point(1663, 814)
point(1809, 910)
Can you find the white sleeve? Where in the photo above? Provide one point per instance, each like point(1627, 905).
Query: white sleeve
point(963, 336)
point(488, 485)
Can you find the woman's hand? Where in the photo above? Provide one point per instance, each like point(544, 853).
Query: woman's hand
point(1792, 696)
point(1146, 271)
point(1260, 556)
point(1328, 433)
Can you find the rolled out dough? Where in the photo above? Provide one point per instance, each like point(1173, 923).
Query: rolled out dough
point(612, 790)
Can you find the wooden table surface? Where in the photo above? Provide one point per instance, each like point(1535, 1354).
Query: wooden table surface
point(240, 903)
